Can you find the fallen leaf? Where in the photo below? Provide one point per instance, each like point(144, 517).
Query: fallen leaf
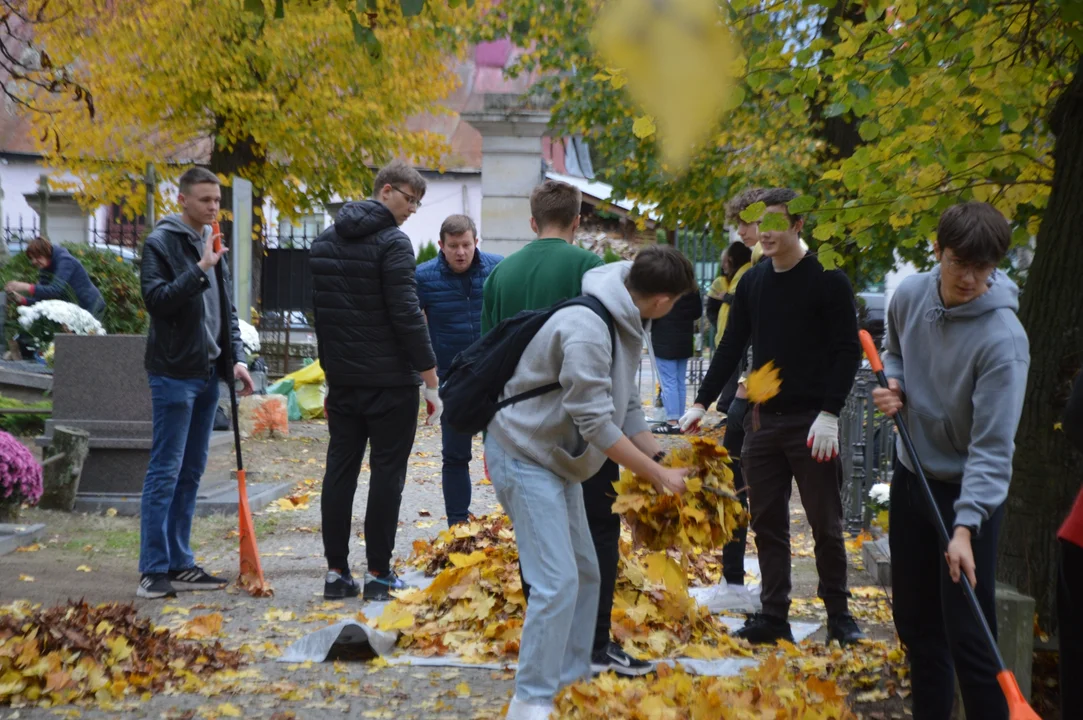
point(26, 578)
point(83, 568)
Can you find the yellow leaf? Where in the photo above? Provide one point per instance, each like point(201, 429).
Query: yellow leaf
point(26, 578)
point(643, 127)
point(461, 560)
point(83, 568)
point(763, 383)
point(230, 710)
point(462, 690)
point(276, 615)
point(395, 617)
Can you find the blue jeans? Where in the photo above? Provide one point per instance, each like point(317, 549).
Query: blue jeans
point(183, 420)
point(672, 374)
point(456, 476)
point(558, 560)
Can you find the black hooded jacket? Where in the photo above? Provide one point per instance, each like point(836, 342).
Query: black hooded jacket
point(369, 328)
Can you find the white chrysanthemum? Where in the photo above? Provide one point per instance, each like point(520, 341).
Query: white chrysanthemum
point(69, 315)
point(880, 494)
point(249, 336)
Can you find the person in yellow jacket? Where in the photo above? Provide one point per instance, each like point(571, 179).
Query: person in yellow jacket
point(736, 260)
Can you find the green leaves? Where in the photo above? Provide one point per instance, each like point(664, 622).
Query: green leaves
point(774, 222)
point(801, 204)
point(411, 8)
point(754, 212)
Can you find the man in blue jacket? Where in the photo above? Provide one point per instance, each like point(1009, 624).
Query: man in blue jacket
point(449, 289)
point(63, 277)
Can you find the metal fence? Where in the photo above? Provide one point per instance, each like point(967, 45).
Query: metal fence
point(867, 442)
point(285, 299)
point(122, 238)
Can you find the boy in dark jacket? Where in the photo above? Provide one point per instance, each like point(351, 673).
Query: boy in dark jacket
point(956, 360)
point(192, 326)
point(673, 339)
point(62, 278)
point(450, 290)
point(374, 349)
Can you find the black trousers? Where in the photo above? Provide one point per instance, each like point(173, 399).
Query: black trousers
point(598, 497)
point(1070, 622)
point(942, 637)
point(733, 552)
point(729, 392)
point(386, 419)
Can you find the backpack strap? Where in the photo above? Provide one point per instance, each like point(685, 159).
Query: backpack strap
point(601, 311)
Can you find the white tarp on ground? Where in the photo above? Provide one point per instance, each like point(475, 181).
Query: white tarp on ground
point(316, 646)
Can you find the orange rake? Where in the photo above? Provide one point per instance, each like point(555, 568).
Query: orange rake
point(1018, 709)
point(251, 577)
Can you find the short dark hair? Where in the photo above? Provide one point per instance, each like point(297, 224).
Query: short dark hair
point(737, 205)
point(196, 176)
point(555, 203)
point(661, 270)
point(739, 254)
point(399, 172)
point(457, 225)
point(780, 196)
point(976, 232)
point(39, 247)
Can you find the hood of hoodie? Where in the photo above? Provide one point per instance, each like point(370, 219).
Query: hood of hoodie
point(362, 219)
point(1003, 294)
point(607, 284)
point(174, 223)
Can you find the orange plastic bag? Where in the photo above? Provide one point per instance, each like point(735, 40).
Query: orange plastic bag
point(264, 416)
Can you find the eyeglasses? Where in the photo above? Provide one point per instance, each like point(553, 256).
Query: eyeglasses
point(412, 199)
point(961, 269)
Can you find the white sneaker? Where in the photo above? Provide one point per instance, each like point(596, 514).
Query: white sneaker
point(520, 710)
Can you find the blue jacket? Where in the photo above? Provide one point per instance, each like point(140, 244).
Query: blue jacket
point(65, 278)
point(453, 312)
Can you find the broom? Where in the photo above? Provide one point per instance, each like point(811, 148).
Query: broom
point(1018, 709)
point(251, 577)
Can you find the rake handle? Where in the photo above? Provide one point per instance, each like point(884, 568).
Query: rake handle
point(216, 235)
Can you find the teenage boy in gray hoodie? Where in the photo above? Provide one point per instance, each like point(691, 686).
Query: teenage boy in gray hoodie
point(956, 358)
point(539, 451)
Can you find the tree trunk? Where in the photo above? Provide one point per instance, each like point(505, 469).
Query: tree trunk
point(1046, 469)
point(60, 481)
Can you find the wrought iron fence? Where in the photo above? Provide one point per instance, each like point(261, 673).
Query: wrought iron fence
point(287, 335)
point(867, 442)
point(123, 239)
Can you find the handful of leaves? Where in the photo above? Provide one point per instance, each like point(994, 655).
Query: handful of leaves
point(704, 516)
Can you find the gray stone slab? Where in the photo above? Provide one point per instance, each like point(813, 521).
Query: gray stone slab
point(221, 499)
point(14, 536)
point(20, 381)
point(877, 557)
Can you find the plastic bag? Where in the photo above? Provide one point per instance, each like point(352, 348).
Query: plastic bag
point(309, 375)
point(310, 400)
point(282, 387)
point(263, 416)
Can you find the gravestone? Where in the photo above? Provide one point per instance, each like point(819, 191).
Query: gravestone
point(63, 466)
point(100, 386)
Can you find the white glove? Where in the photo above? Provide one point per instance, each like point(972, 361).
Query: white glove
point(434, 405)
point(691, 419)
point(823, 437)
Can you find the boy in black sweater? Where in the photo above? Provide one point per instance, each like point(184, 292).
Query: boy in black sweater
point(804, 319)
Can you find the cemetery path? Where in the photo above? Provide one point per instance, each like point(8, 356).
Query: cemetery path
point(95, 557)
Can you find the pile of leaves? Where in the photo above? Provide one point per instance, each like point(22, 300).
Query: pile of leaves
point(704, 516)
point(487, 531)
point(654, 616)
point(76, 652)
point(475, 606)
point(770, 690)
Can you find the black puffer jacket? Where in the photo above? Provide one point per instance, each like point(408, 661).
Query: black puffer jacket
point(369, 328)
point(673, 336)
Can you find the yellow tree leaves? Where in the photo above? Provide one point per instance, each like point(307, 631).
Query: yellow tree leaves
point(763, 383)
point(705, 516)
point(296, 107)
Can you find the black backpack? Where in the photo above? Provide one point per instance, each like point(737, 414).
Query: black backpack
point(478, 374)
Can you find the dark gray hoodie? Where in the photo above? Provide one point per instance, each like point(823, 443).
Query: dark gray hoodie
point(964, 372)
point(212, 309)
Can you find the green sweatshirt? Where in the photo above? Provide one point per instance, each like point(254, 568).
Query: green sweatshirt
point(544, 272)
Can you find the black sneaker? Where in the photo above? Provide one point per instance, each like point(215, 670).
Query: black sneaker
point(620, 662)
point(337, 586)
point(844, 628)
point(196, 578)
point(379, 588)
point(155, 585)
point(763, 629)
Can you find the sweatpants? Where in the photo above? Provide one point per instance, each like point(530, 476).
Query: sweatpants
point(386, 419)
point(604, 526)
point(942, 637)
point(774, 455)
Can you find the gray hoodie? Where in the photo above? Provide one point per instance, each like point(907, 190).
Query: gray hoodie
point(566, 431)
point(964, 372)
point(212, 310)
